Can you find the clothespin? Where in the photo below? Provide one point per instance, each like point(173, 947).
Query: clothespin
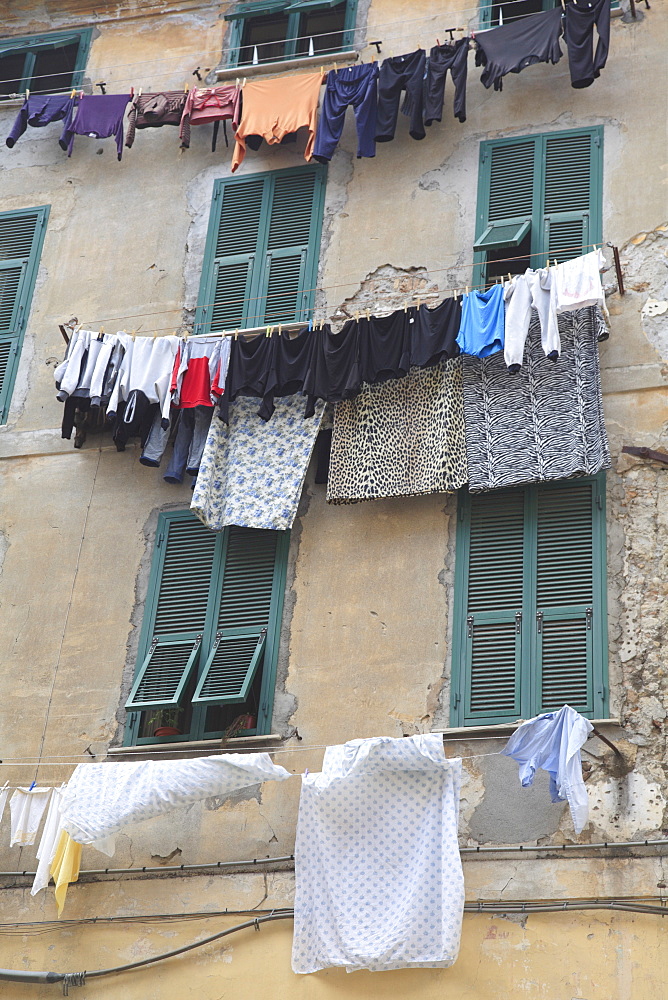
point(367, 314)
point(357, 317)
point(268, 333)
point(139, 92)
point(73, 94)
point(255, 59)
point(236, 334)
point(510, 277)
point(185, 87)
point(311, 50)
point(467, 289)
point(27, 94)
point(32, 786)
point(236, 82)
point(405, 305)
point(373, 58)
point(280, 329)
point(134, 336)
point(155, 334)
point(102, 330)
point(555, 263)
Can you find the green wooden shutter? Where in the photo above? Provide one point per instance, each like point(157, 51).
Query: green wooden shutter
point(566, 610)
point(21, 238)
point(511, 176)
point(247, 595)
point(236, 221)
point(494, 606)
point(570, 166)
point(176, 612)
point(261, 258)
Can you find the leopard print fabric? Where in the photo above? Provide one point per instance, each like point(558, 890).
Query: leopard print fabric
point(401, 438)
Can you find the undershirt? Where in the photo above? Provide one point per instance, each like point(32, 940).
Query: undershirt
point(482, 330)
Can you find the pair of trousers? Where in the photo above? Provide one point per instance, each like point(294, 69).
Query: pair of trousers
point(396, 74)
point(441, 59)
point(191, 435)
point(356, 86)
point(584, 64)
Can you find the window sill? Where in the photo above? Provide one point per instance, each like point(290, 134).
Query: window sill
point(503, 729)
point(195, 746)
point(323, 59)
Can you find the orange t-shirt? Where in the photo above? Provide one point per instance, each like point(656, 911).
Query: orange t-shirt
point(274, 108)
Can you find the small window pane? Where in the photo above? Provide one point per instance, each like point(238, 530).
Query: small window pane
point(11, 72)
point(54, 69)
point(268, 33)
point(324, 27)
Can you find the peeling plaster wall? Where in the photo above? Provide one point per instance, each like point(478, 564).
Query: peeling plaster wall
point(367, 624)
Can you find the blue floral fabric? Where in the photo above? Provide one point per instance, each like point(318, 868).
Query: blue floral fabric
point(252, 471)
point(379, 881)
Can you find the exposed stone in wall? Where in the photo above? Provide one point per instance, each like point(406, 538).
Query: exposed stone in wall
point(388, 288)
point(644, 260)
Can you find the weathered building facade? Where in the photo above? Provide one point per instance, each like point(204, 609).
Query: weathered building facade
point(367, 625)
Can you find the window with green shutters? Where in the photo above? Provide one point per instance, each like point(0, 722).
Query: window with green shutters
point(21, 239)
point(269, 30)
point(530, 619)
point(539, 197)
point(261, 257)
point(43, 64)
point(496, 12)
point(209, 642)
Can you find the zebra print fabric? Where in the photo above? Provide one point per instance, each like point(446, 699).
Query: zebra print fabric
point(543, 422)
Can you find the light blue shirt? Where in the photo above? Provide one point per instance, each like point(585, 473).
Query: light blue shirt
point(483, 326)
point(552, 741)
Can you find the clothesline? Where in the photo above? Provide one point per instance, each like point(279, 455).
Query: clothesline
point(415, 295)
point(317, 35)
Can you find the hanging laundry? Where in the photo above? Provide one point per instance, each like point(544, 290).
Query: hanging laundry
point(200, 371)
point(65, 867)
point(396, 74)
point(210, 105)
point(134, 418)
point(402, 438)
point(102, 799)
point(453, 57)
point(482, 329)
point(545, 422)
point(97, 116)
point(512, 47)
point(585, 65)
point(38, 111)
point(251, 372)
point(154, 111)
point(356, 87)
point(334, 368)
point(26, 808)
point(253, 470)
point(434, 333)
point(378, 877)
point(577, 283)
point(48, 844)
point(191, 435)
point(526, 291)
point(277, 107)
point(385, 346)
point(4, 795)
point(146, 368)
point(552, 741)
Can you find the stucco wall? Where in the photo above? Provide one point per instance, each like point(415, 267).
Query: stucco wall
point(366, 634)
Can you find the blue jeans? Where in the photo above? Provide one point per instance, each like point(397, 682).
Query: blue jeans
point(191, 435)
point(356, 85)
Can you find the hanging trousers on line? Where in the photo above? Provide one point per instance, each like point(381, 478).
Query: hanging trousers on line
point(396, 74)
point(356, 86)
point(441, 59)
point(584, 65)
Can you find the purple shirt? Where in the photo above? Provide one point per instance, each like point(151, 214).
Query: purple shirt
point(38, 112)
point(98, 116)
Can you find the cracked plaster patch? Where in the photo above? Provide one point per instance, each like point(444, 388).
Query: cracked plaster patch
point(626, 808)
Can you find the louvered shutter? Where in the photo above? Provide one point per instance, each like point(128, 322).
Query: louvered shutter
point(248, 594)
point(177, 613)
point(494, 604)
point(289, 244)
point(21, 237)
point(567, 196)
point(508, 177)
point(566, 610)
point(231, 268)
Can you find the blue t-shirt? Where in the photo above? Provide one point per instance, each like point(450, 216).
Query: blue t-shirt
point(482, 330)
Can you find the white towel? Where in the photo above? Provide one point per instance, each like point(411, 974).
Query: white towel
point(379, 881)
point(26, 807)
point(101, 799)
point(47, 846)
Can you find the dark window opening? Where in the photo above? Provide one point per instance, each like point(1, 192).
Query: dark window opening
point(499, 266)
point(504, 13)
point(324, 28)
point(268, 33)
point(11, 72)
point(54, 69)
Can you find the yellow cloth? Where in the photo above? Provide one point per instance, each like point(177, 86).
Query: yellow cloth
point(274, 108)
point(65, 867)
